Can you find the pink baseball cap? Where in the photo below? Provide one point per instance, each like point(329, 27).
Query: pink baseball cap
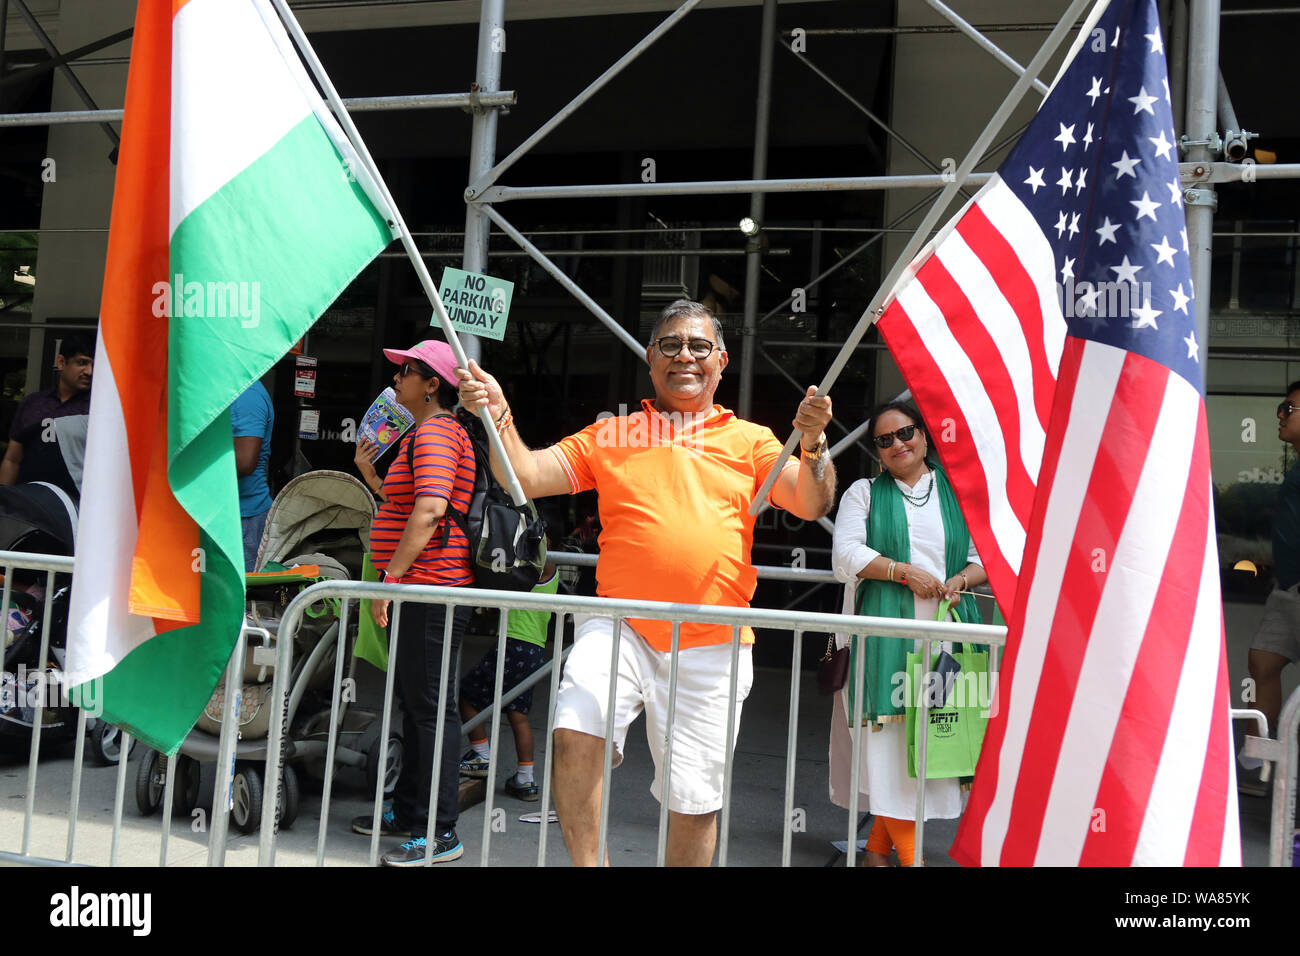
point(437, 355)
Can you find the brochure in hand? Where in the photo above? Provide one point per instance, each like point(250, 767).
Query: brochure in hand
point(386, 421)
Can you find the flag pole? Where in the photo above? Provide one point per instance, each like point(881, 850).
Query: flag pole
point(408, 242)
point(876, 308)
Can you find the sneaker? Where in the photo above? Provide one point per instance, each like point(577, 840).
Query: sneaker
point(411, 853)
point(388, 825)
point(521, 791)
point(472, 765)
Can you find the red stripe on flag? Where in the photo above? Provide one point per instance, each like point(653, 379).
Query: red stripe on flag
point(960, 458)
point(1008, 271)
point(967, 847)
point(1143, 724)
point(1130, 424)
point(974, 339)
point(1205, 840)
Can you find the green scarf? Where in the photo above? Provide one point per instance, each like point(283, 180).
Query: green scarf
point(886, 657)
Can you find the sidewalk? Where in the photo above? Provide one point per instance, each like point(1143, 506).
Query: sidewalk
point(756, 811)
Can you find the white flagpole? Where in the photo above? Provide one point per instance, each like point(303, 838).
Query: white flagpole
point(876, 309)
point(408, 242)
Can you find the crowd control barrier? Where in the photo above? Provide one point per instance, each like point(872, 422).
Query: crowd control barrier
point(1281, 753)
point(736, 618)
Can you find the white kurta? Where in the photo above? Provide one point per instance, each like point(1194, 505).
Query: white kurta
point(885, 788)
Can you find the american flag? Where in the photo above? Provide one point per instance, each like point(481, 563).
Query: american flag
point(1048, 335)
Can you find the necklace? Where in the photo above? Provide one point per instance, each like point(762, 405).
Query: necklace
point(919, 501)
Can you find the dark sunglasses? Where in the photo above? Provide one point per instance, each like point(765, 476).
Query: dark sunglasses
point(904, 434)
point(418, 367)
point(671, 347)
point(1285, 409)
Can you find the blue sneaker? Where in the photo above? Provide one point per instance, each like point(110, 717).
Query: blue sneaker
point(411, 853)
point(388, 825)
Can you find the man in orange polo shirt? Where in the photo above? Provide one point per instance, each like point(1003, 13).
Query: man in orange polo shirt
point(675, 481)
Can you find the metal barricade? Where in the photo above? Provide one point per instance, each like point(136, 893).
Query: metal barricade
point(618, 611)
point(11, 561)
point(1281, 752)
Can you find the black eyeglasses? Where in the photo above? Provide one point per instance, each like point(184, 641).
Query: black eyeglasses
point(671, 346)
point(1285, 409)
point(904, 434)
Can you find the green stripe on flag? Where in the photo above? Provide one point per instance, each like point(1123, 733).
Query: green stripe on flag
point(258, 262)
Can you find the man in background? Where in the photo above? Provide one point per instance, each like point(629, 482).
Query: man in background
point(47, 441)
point(1277, 642)
point(251, 419)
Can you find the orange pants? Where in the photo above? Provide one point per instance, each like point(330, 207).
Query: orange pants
point(890, 833)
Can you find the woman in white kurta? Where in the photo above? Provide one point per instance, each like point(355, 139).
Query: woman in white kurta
point(885, 788)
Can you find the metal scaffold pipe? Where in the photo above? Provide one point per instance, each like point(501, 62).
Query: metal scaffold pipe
point(483, 142)
point(360, 104)
point(754, 253)
point(1202, 112)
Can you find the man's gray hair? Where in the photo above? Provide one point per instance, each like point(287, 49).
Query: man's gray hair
point(683, 309)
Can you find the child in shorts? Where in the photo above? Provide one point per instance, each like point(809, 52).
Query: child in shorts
point(526, 636)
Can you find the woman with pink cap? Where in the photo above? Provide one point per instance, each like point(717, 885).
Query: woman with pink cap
point(414, 541)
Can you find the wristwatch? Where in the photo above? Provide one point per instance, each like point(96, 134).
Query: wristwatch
point(819, 450)
point(819, 456)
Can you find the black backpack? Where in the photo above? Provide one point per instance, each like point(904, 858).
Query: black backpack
point(507, 542)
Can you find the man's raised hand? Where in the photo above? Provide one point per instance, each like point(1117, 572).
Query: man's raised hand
point(478, 388)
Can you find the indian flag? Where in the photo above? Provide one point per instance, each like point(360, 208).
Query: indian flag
point(240, 212)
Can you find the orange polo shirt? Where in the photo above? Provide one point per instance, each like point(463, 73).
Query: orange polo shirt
point(674, 510)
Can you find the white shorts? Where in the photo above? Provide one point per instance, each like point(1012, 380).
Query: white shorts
point(1279, 630)
point(700, 725)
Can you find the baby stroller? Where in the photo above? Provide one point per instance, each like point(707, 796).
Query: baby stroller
point(37, 518)
point(317, 529)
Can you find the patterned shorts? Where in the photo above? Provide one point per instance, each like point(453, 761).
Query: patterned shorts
point(522, 660)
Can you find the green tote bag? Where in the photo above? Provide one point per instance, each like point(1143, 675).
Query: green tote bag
point(956, 724)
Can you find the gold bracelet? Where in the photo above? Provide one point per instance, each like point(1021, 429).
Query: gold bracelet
point(891, 570)
point(965, 582)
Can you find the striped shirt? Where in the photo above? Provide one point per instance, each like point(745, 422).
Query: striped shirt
point(444, 468)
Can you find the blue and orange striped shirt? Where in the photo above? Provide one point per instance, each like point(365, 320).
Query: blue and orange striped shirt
point(445, 468)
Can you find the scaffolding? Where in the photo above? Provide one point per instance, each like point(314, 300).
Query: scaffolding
point(1212, 143)
point(1197, 87)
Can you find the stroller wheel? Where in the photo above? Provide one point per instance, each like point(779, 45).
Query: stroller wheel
point(150, 779)
point(186, 785)
point(290, 797)
point(246, 791)
point(151, 783)
point(106, 743)
point(391, 772)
